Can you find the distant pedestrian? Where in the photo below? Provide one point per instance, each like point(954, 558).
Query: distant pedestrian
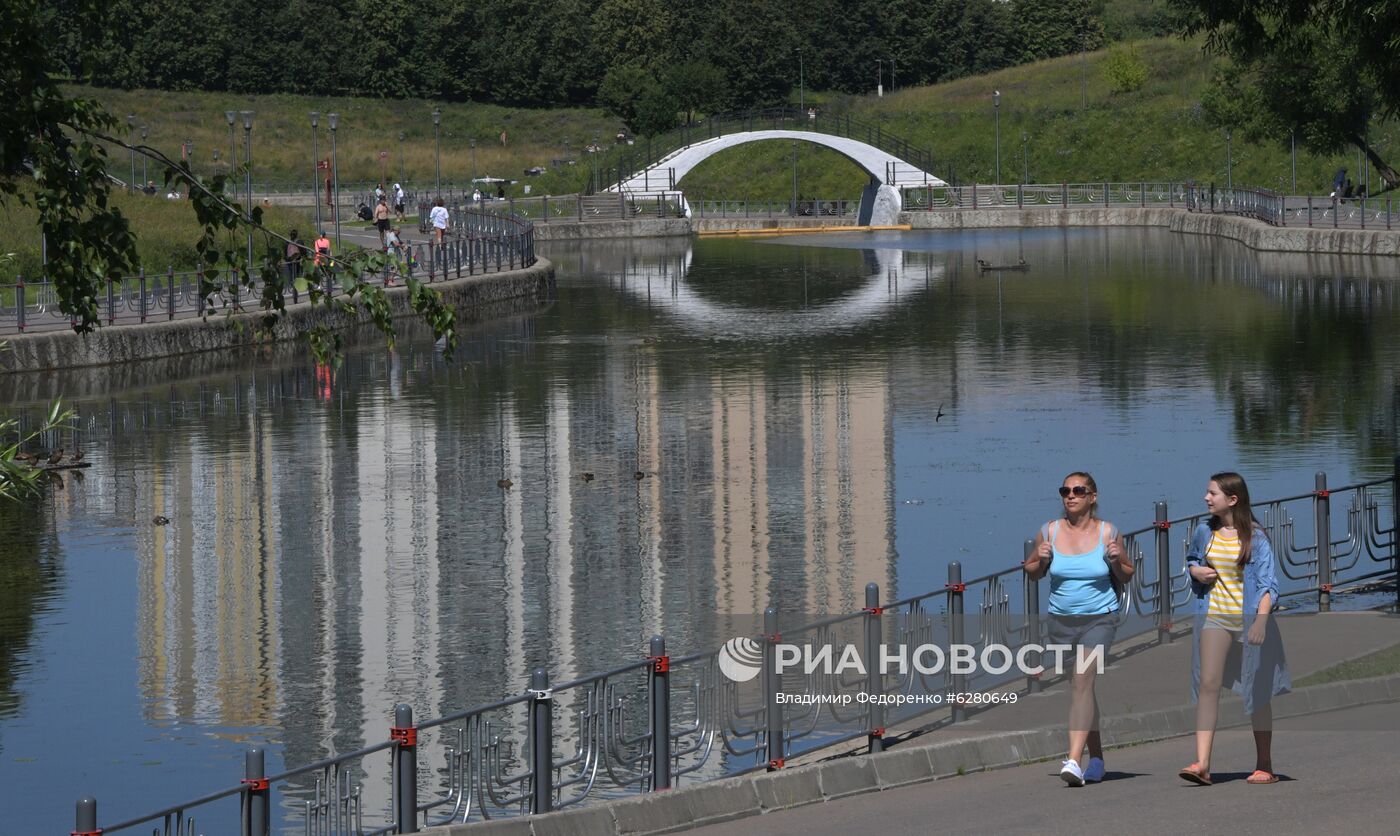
point(1087, 565)
point(322, 256)
point(476, 195)
point(1338, 182)
point(1236, 639)
point(439, 219)
point(394, 248)
point(381, 218)
point(399, 200)
point(503, 137)
point(501, 191)
point(295, 251)
point(379, 192)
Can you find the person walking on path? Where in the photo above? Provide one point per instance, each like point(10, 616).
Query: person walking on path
point(381, 219)
point(1087, 565)
point(1233, 581)
point(292, 263)
point(399, 198)
point(439, 219)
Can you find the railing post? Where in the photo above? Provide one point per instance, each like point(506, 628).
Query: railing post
point(405, 769)
point(111, 302)
point(1322, 511)
point(85, 823)
point(256, 813)
point(1164, 573)
point(141, 287)
point(198, 289)
point(1033, 684)
point(544, 210)
point(541, 743)
point(1064, 194)
point(956, 588)
point(772, 686)
point(170, 292)
point(19, 303)
point(1395, 526)
point(874, 678)
point(660, 684)
point(1142, 195)
point(1020, 195)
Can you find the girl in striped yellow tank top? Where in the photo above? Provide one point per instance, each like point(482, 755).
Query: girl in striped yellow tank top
point(1226, 609)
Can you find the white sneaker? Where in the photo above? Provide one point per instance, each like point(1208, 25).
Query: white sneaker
point(1094, 773)
point(1071, 774)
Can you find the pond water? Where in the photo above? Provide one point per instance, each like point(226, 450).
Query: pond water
point(689, 428)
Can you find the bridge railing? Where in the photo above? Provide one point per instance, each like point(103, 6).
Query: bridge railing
point(616, 165)
point(647, 724)
point(701, 208)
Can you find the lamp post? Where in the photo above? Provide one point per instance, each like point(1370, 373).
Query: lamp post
point(315, 171)
point(801, 82)
point(472, 142)
point(145, 173)
point(996, 110)
point(879, 77)
point(131, 126)
point(892, 66)
point(437, 146)
point(1025, 160)
point(1229, 162)
point(401, 169)
point(232, 117)
point(1293, 154)
point(248, 174)
point(794, 178)
point(333, 120)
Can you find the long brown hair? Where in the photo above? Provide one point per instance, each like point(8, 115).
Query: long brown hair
point(1232, 484)
point(1093, 488)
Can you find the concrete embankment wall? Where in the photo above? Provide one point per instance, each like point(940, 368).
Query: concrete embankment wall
point(129, 343)
point(1252, 233)
point(636, 228)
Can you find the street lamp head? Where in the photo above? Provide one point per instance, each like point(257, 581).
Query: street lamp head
point(400, 136)
point(472, 142)
point(333, 119)
point(315, 118)
point(131, 121)
point(247, 120)
point(231, 116)
point(437, 116)
point(996, 98)
point(145, 132)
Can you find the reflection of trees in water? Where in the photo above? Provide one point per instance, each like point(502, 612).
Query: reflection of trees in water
point(27, 580)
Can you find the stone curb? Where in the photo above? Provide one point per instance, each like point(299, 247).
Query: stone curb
point(723, 800)
point(49, 350)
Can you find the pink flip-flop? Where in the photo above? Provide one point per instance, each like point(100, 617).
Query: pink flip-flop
point(1195, 775)
point(1259, 776)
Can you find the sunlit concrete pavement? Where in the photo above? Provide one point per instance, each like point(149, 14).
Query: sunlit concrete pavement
point(1338, 775)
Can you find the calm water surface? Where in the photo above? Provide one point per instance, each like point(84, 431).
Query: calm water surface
point(340, 543)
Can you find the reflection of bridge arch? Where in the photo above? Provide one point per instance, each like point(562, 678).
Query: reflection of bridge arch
point(892, 276)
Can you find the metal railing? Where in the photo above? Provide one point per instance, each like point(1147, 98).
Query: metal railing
point(492, 243)
point(647, 724)
point(1261, 204)
point(613, 166)
point(774, 208)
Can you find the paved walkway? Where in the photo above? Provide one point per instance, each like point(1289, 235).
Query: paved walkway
point(1334, 781)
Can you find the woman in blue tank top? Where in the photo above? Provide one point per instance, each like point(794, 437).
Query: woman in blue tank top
point(1087, 564)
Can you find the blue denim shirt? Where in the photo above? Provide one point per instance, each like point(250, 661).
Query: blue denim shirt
point(1263, 669)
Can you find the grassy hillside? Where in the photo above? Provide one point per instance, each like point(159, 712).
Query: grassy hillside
point(1077, 128)
point(282, 136)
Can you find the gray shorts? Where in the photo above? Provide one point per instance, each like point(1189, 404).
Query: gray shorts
point(1082, 630)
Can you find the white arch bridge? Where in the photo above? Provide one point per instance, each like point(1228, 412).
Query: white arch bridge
point(891, 162)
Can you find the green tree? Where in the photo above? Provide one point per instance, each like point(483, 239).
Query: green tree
point(696, 84)
point(633, 32)
point(52, 157)
point(1321, 70)
point(1125, 69)
point(1050, 28)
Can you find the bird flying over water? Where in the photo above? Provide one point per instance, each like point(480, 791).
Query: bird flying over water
point(940, 414)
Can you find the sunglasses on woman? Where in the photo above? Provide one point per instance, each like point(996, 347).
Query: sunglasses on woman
point(1077, 490)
